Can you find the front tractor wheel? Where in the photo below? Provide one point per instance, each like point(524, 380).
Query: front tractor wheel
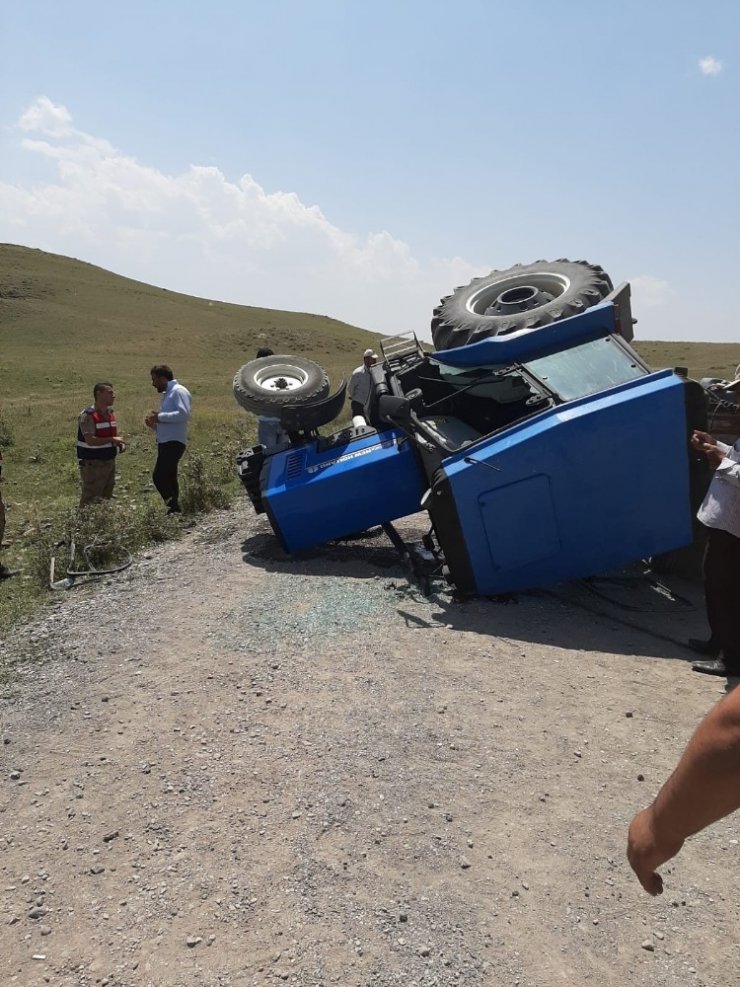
point(264, 385)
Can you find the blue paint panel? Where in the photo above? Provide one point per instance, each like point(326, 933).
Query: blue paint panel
point(588, 486)
point(519, 503)
point(517, 347)
point(312, 496)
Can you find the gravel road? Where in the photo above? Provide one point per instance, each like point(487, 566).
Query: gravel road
point(224, 767)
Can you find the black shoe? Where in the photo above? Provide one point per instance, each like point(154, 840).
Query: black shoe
point(6, 573)
point(709, 648)
point(716, 667)
point(174, 509)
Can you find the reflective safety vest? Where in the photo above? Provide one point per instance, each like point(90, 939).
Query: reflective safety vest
point(105, 428)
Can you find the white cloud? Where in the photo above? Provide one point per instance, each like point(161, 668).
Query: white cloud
point(200, 233)
point(46, 118)
point(710, 65)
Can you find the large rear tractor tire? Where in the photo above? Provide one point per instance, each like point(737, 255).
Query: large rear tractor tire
point(525, 296)
point(264, 385)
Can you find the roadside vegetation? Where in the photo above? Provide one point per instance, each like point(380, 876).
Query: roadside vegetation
point(65, 324)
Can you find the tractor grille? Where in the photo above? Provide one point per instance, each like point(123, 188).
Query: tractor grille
point(295, 465)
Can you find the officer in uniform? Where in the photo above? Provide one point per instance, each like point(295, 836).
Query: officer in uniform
point(98, 443)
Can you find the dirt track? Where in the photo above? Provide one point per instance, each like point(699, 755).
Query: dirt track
point(225, 768)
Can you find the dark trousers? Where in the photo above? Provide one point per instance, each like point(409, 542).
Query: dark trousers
point(357, 408)
point(722, 592)
point(169, 455)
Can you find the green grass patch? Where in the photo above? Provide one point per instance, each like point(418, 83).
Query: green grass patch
point(64, 325)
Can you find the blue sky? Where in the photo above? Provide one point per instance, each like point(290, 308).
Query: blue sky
point(360, 160)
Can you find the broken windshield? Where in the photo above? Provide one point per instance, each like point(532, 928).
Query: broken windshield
point(586, 369)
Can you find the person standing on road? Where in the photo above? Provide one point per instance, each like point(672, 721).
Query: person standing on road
point(704, 787)
point(361, 382)
point(5, 572)
point(98, 444)
point(720, 513)
point(170, 424)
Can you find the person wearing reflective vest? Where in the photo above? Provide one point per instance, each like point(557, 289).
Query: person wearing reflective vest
point(98, 443)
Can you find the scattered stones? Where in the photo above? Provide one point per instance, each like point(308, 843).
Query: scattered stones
point(214, 852)
point(648, 945)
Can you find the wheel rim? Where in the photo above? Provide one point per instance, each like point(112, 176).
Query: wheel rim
point(517, 293)
point(281, 378)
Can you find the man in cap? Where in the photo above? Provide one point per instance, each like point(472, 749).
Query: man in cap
point(360, 383)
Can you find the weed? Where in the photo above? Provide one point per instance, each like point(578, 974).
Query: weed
point(104, 536)
point(204, 485)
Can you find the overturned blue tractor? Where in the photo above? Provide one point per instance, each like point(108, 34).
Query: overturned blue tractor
point(539, 443)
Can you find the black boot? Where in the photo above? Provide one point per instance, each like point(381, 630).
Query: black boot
point(716, 667)
point(6, 573)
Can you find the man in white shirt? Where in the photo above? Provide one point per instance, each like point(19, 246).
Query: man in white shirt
point(360, 383)
point(720, 512)
point(170, 424)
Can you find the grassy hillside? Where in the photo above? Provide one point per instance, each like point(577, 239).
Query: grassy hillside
point(65, 324)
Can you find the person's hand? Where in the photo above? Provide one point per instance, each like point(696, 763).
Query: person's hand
point(117, 440)
point(700, 440)
point(645, 852)
point(151, 419)
point(707, 444)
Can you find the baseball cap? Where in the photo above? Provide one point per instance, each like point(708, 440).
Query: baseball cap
point(371, 353)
